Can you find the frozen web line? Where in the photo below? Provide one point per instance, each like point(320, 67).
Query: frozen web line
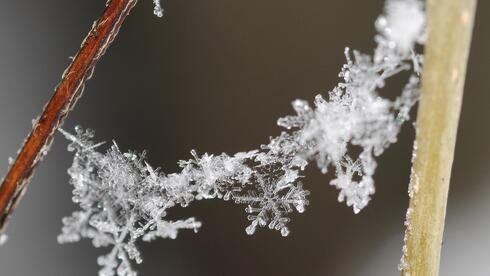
point(123, 199)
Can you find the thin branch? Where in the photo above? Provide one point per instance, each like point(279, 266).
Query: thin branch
point(450, 25)
point(66, 94)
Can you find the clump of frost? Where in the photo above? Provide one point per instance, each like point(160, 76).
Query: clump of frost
point(403, 24)
point(354, 116)
point(124, 200)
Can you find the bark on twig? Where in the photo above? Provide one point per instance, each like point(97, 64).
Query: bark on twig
point(450, 25)
point(66, 94)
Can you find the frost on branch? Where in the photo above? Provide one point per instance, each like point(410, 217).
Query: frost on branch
point(124, 200)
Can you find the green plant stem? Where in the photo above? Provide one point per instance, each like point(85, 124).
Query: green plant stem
point(450, 25)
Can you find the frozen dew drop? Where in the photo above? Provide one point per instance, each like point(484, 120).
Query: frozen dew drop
point(284, 231)
point(300, 207)
point(356, 209)
point(381, 23)
point(3, 239)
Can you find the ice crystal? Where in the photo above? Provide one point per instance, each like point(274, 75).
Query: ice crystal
point(157, 10)
point(124, 200)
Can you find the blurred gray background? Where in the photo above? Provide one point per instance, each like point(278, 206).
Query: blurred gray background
point(215, 75)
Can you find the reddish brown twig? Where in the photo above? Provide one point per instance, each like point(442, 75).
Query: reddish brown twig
point(66, 94)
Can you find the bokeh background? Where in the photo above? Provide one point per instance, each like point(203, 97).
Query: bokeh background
point(215, 75)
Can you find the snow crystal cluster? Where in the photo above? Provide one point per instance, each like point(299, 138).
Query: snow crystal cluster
point(124, 200)
point(354, 117)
